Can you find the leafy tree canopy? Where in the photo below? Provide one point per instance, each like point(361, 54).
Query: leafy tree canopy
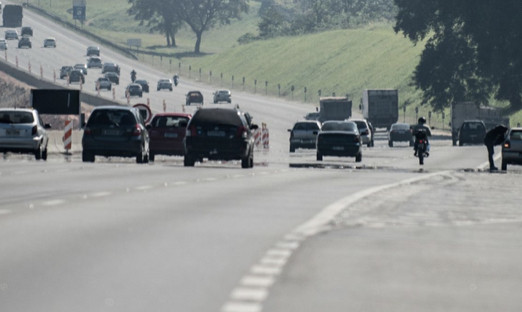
point(473, 49)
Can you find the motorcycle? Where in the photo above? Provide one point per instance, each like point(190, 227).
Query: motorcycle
point(421, 146)
point(176, 80)
point(133, 75)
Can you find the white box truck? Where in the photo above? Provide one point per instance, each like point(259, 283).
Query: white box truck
point(381, 107)
point(334, 108)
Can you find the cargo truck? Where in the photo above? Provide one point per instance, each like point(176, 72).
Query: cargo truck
point(461, 111)
point(381, 107)
point(334, 108)
point(12, 15)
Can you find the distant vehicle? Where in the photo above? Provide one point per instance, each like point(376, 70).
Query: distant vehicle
point(220, 134)
point(10, 35)
point(76, 75)
point(115, 131)
point(312, 116)
point(23, 131)
point(93, 51)
point(334, 108)
point(134, 89)
point(194, 97)
point(303, 134)
point(24, 42)
point(512, 148)
point(103, 83)
point(113, 77)
point(64, 71)
point(167, 132)
point(164, 84)
point(144, 84)
point(339, 138)
point(94, 62)
point(26, 31)
point(110, 68)
point(82, 67)
point(381, 107)
point(472, 132)
point(3, 45)
point(49, 42)
point(12, 15)
point(400, 132)
point(364, 131)
point(461, 111)
point(222, 96)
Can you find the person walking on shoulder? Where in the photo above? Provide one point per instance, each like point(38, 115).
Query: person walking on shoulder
point(494, 137)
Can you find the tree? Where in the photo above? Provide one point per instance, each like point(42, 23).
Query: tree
point(201, 15)
point(473, 49)
point(160, 15)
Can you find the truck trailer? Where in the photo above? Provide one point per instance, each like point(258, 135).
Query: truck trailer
point(334, 108)
point(381, 107)
point(12, 15)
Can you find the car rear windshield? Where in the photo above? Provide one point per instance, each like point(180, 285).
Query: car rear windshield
point(15, 117)
point(473, 126)
point(306, 126)
point(168, 121)
point(516, 135)
point(338, 126)
point(400, 127)
point(217, 116)
point(107, 117)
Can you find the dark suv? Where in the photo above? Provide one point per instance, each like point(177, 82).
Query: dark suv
point(220, 134)
point(194, 97)
point(115, 131)
point(472, 132)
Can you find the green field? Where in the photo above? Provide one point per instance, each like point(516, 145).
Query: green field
point(343, 62)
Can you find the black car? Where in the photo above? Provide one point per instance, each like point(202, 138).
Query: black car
point(93, 51)
point(164, 84)
point(76, 75)
point(113, 77)
point(64, 71)
point(94, 62)
point(220, 134)
point(115, 131)
point(110, 68)
point(472, 132)
point(24, 42)
point(400, 132)
point(134, 89)
point(144, 85)
point(194, 97)
point(339, 138)
point(26, 31)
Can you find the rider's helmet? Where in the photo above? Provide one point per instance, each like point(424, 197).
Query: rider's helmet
point(422, 120)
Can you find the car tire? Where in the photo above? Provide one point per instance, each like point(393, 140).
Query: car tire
point(412, 143)
point(87, 157)
point(188, 161)
point(151, 156)
point(44, 154)
point(504, 165)
point(248, 161)
point(292, 148)
point(319, 156)
point(38, 152)
point(461, 143)
point(390, 143)
point(358, 158)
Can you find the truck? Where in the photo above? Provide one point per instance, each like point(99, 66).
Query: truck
point(12, 15)
point(461, 111)
point(334, 108)
point(381, 107)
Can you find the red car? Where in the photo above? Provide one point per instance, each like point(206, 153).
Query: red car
point(167, 131)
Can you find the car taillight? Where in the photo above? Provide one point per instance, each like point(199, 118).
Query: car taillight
point(507, 144)
point(34, 130)
point(136, 131)
point(242, 132)
point(87, 131)
point(191, 131)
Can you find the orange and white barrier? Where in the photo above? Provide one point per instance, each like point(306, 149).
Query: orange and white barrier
point(262, 137)
point(67, 137)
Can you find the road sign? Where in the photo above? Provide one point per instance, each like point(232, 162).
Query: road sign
point(145, 111)
point(79, 13)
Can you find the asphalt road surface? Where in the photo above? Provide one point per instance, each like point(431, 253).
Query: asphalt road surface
point(291, 234)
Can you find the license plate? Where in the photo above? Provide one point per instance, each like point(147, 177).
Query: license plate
point(216, 133)
point(12, 132)
point(338, 148)
point(171, 135)
point(111, 132)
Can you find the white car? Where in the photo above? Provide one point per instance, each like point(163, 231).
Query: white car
point(49, 43)
point(3, 45)
point(365, 131)
point(23, 131)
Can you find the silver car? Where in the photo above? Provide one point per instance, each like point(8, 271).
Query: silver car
point(23, 131)
point(512, 148)
point(303, 134)
point(3, 45)
point(365, 131)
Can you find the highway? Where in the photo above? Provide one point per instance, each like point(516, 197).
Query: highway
point(292, 234)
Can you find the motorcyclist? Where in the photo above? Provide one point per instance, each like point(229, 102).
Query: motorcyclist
point(133, 75)
point(176, 79)
point(421, 130)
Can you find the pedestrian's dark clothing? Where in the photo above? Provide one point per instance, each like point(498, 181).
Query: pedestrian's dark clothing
point(494, 137)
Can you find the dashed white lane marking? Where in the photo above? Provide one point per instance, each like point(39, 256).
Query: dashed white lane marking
point(143, 187)
point(101, 194)
point(241, 307)
point(4, 211)
point(262, 275)
point(53, 202)
point(249, 294)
